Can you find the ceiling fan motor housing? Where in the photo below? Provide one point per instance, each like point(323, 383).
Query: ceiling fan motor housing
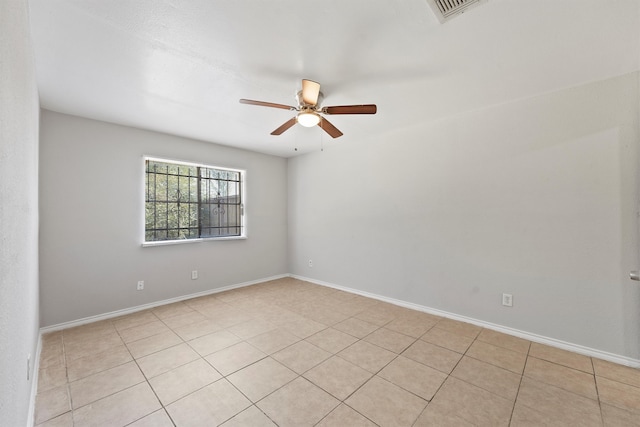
point(301, 102)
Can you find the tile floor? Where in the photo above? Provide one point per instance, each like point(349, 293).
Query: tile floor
point(290, 353)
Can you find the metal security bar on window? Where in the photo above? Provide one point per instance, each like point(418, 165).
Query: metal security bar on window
point(190, 202)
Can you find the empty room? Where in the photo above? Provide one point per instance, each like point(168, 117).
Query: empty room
point(338, 213)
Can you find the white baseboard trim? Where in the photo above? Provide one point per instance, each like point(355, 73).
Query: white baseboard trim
point(130, 310)
point(35, 369)
point(575, 348)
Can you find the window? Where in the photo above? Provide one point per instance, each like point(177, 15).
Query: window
point(190, 201)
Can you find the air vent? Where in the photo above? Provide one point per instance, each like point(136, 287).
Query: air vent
point(448, 9)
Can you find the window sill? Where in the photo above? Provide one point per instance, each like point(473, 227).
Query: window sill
point(183, 241)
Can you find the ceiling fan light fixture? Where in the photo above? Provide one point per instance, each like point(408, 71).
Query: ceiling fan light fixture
point(308, 119)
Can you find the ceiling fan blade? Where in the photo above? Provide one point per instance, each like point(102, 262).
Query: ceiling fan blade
point(329, 128)
point(310, 92)
point(267, 104)
point(285, 126)
point(351, 109)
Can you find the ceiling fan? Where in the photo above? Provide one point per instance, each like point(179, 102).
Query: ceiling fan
point(310, 112)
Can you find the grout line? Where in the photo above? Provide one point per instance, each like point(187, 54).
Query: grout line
point(519, 384)
point(597, 390)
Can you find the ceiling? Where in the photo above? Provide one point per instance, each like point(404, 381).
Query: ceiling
point(180, 66)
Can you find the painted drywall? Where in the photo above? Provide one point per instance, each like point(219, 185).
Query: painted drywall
point(91, 201)
point(537, 198)
point(19, 116)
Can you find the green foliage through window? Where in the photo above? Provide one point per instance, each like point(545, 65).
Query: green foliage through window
point(184, 201)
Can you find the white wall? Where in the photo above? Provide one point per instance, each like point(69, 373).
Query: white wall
point(536, 198)
point(19, 115)
point(91, 199)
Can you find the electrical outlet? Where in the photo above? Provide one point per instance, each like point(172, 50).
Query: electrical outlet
point(140, 285)
point(310, 263)
point(507, 300)
point(194, 274)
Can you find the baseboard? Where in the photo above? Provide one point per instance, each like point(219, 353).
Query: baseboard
point(575, 348)
point(130, 310)
point(34, 383)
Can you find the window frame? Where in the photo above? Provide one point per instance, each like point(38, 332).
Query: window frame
point(243, 217)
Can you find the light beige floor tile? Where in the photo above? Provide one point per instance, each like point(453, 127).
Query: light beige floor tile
point(93, 329)
point(298, 403)
point(273, 341)
point(524, 416)
point(183, 380)
point(207, 344)
point(210, 308)
point(51, 338)
point(505, 341)
point(356, 327)
point(434, 416)
point(376, 317)
point(153, 344)
point(386, 404)
point(338, 377)
point(449, 340)
point(171, 310)
point(134, 319)
point(390, 340)
point(331, 340)
point(197, 330)
point(80, 340)
point(232, 295)
point(326, 315)
point(211, 405)
point(64, 420)
point(499, 381)
point(252, 416)
point(348, 307)
point(91, 346)
point(102, 384)
point(93, 350)
point(572, 380)
point(250, 328)
point(51, 403)
point(344, 416)
point(619, 395)
point(234, 358)
point(263, 377)
point(508, 359)
point(615, 372)
point(52, 353)
point(166, 360)
point(52, 377)
point(301, 356)
point(613, 416)
point(143, 331)
point(558, 404)
point(229, 317)
point(184, 319)
point(368, 356)
point(412, 376)
point(118, 409)
point(279, 316)
point(561, 357)
point(432, 355)
point(461, 328)
point(413, 326)
point(92, 364)
point(156, 419)
point(472, 404)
